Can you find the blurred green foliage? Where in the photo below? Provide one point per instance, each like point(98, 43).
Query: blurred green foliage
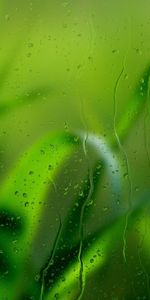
point(74, 151)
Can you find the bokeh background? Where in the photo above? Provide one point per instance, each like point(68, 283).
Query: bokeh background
point(74, 75)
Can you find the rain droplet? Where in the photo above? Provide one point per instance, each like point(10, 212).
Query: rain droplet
point(25, 195)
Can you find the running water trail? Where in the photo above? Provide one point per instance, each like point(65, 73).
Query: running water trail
point(81, 231)
point(52, 255)
point(146, 117)
point(125, 158)
point(90, 176)
point(140, 259)
point(121, 146)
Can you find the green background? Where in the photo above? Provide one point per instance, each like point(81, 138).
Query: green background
point(74, 150)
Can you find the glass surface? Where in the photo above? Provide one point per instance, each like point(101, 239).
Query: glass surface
point(74, 150)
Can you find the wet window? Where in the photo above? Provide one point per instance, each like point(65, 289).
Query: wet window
point(74, 150)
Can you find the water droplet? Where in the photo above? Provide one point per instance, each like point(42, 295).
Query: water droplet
point(138, 51)
point(42, 151)
point(29, 54)
point(50, 167)
point(125, 175)
point(126, 76)
point(7, 18)
point(30, 45)
point(105, 209)
point(31, 172)
point(76, 139)
point(79, 66)
point(115, 51)
point(24, 195)
point(90, 202)
point(37, 277)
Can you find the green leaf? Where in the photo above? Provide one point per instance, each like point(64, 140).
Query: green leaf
point(22, 197)
point(135, 106)
point(69, 246)
point(26, 98)
point(96, 255)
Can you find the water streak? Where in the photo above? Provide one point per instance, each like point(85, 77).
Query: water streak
point(125, 158)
